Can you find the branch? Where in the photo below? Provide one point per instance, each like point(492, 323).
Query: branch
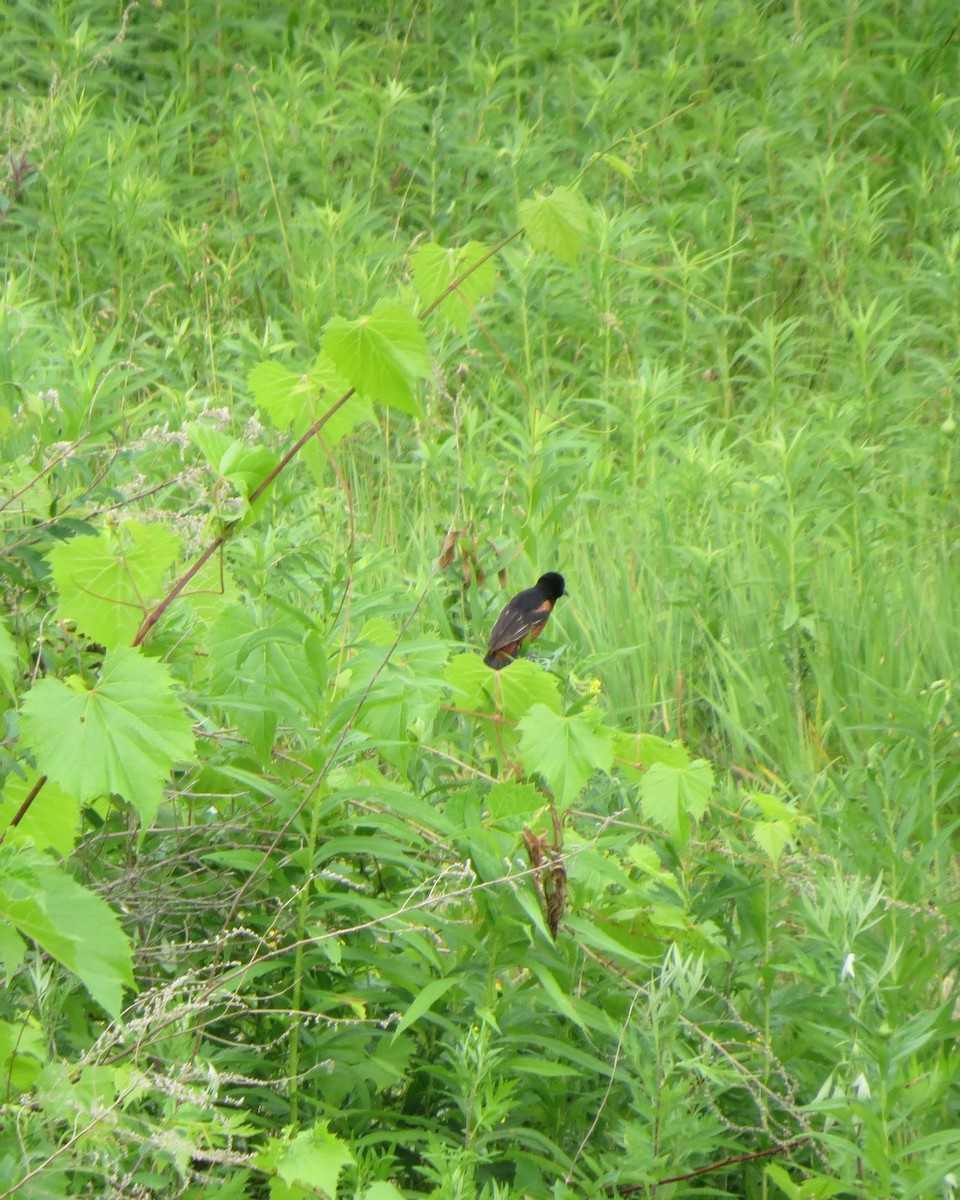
point(631, 1188)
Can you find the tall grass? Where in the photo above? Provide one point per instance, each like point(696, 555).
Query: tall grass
point(733, 426)
point(732, 423)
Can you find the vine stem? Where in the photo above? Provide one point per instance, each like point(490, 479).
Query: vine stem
point(24, 807)
point(158, 611)
point(630, 1189)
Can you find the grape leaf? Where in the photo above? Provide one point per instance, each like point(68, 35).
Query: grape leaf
point(635, 752)
point(556, 223)
point(469, 675)
point(564, 750)
point(305, 1163)
point(778, 825)
point(212, 443)
point(23, 1052)
point(51, 822)
point(43, 903)
point(8, 660)
point(513, 805)
point(283, 395)
point(510, 692)
point(523, 684)
point(297, 401)
point(670, 796)
point(772, 808)
point(383, 1189)
point(246, 466)
point(328, 386)
point(382, 355)
point(242, 465)
point(772, 837)
point(121, 736)
point(13, 949)
point(108, 581)
point(435, 268)
point(211, 591)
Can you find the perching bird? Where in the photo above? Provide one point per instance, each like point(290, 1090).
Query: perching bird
point(523, 619)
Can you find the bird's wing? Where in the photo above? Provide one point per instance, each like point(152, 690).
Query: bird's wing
point(514, 623)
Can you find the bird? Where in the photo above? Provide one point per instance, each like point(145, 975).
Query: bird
point(523, 620)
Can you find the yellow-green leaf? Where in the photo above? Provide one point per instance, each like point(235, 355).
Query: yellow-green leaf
point(108, 581)
point(121, 736)
point(556, 223)
point(382, 355)
point(436, 267)
point(564, 750)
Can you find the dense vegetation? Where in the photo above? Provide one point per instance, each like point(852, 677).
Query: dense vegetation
point(298, 897)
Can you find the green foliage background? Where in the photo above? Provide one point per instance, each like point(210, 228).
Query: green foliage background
point(270, 918)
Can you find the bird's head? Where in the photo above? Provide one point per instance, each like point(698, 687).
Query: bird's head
point(552, 585)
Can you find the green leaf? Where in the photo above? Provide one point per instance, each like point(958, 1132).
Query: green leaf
point(282, 395)
point(772, 837)
point(636, 752)
point(212, 443)
point(327, 386)
point(647, 860)
point(778, 825)
point(782, 1180)
point(305, 1163)
point(9, 662)
point(425, 1000)
point(812, 1187)
point(633, 941)
point(13, 950)
point(52, 822)
point(521, 685)
point(297, 401)
point(469, 675)
point(383, 1189)
point(264, 673)
point(242, 465)
point(512, 805)
point(23, 1052)
point(210, 591)
point(670, 796)
point(556, 223)
point(121, 736)
point(315, 1159)
point(435, 268)
point(772, 808)
point(564, 750)
point(565, 1005)
point(377, 631)
point(791, 615)
point(511, 692)
point(235, 860)
point(246, 466)
point(382, 355)
point(619, 164)
point(71, 924)
point(108, 581)
point(532, 1064)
